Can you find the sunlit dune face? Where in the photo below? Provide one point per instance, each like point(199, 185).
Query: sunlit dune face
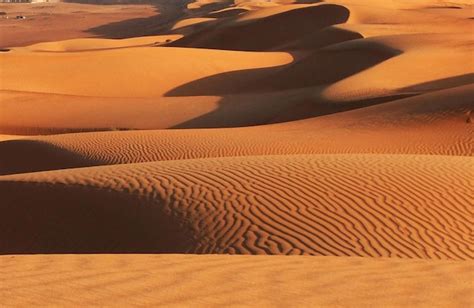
point(143, 145)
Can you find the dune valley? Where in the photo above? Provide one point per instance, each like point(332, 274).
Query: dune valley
point(280, 153)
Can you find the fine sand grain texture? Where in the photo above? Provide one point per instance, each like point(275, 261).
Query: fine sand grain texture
point(63, 20)
point(405, 126)
point(150, 150)
point(214, 281)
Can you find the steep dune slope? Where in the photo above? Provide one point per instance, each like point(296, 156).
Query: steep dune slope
point(244, 88)
point(336, 205)
point(326, 61)
point(177, 280)
point(266, 31)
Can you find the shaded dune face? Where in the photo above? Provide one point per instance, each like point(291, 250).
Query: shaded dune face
point(268, 32)
point(333, 205)
point(328, 68)
point(320, 68)
point(47, 156)
point(142, 72)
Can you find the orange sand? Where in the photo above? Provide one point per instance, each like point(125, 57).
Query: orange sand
point(340, 129)
point(212, 281)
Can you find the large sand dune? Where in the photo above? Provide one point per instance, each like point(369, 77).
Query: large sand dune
point(343, 205)
point(335, 128)
point(152, 85)
point(144, 72)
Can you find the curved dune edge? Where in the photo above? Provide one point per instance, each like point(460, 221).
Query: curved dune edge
point(87, 44)
point(434, 124)
point(333, 205)
point(148, 88)
point(141, 71)
point(265, 281)
point(290, 146)
point(4, 137)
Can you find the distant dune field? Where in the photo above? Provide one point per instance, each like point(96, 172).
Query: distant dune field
point(200, 130)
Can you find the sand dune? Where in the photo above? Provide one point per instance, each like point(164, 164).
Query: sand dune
point(99, 44)
point(339, 129)
point(177, 281)
point(252, 87)
point(407, 126)
point(334, 205)
point(144, 72)
point(190, 24)
point(267, 32)
point(60, 21)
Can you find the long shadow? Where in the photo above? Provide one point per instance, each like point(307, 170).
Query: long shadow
point(213, 6)
point(266, 33)
point(314, 70)
point(313, 65)
point(74, 218)
point(317, 68)
point(168, 11)
point(230, 111)
point(230, 115)
point(444, 83)
point(15, 157)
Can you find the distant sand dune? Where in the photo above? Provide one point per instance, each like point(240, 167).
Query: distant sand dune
point(434, 123)
point(266, 32)
point(47, 22)
point(87, 44)
point(142, 72)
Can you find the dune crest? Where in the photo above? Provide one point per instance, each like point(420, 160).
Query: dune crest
point(332, 138)
point(404, 126)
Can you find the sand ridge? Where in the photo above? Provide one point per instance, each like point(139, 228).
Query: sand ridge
point(325, 145)
point(343, 205)
point(405, 126)
point(355, 69)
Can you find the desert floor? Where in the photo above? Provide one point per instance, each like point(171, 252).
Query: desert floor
point(237, 152)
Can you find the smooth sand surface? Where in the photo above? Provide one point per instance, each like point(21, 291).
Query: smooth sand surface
point(58, 21)
point(214, 281)
point(94, 70)
point(339, 129)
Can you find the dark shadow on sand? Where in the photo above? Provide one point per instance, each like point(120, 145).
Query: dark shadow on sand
point(168, 11)
point(266, 33)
